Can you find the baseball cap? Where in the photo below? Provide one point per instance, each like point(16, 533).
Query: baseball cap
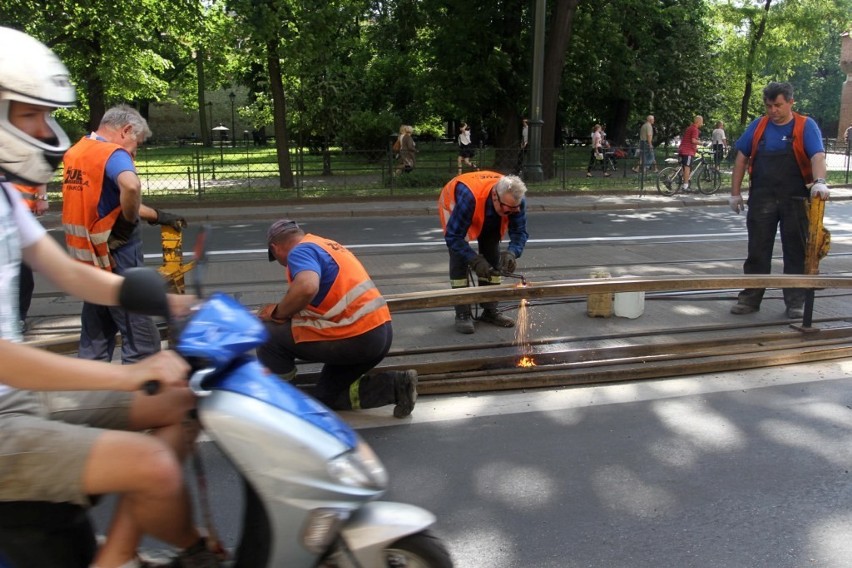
point(278, 228)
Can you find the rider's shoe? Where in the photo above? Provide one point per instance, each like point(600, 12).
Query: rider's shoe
point(197, 556)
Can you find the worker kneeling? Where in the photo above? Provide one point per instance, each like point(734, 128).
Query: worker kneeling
point(332, 313)
point(482, 205)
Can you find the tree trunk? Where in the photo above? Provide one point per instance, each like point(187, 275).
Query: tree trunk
point(752, 54)
point(279, 113)
point(202, 99)
point(95, 89)
point(554, 62)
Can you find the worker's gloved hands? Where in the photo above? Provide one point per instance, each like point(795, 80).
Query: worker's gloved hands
point(508, 262)
point(121, 232)
point(265, 314)
point(176, 222)
point(736, 203)
point(819, 191)
point(481, 267)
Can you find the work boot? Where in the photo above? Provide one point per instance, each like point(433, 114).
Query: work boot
point(464, 323)
point(405, 388)
point(741, 309)
point(496, 318)
point(795, 313)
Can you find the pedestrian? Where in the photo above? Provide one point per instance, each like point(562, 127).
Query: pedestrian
point(848, 136)
point(689, 147)
point(407, 149)
point(646, 145)
point(719, 143)
point(525, 141)
point(785, 158)
point(466, 149)
point(597, 151)
point(482, 206)
point(332, 313)
point(35, 198)
point(60, 446)
point(101, 208)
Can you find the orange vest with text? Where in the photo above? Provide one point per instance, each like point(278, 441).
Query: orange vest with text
point(352, 306)
point(480, 184)
point(29, 193)
point(798, 145)
point(86, 233)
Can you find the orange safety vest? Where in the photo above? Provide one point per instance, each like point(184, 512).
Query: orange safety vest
point(86, 233)
point(798, 145)
point(30, 195)
point(480, 184)
point(352, 306)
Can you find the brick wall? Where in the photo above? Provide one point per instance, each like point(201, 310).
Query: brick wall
point(169, 121)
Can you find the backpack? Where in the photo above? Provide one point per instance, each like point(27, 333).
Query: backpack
point(395, 147)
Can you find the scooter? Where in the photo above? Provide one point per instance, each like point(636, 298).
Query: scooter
point(311, 484)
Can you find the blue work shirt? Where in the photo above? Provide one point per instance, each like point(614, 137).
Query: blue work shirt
point(309, 256)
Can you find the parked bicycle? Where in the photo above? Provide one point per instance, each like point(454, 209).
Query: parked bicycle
point(705, 175)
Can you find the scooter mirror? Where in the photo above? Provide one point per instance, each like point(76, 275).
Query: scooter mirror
point(144, 292)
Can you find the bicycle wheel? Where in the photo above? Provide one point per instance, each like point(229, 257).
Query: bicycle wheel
point(669, 181)
point(710, 180)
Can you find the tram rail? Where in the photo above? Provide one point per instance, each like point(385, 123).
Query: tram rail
point(563, 361)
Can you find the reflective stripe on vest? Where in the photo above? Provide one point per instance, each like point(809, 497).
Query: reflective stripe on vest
point(798, 145)
point(352, 306)
point(480, 184)
point(29, 193)
point(86, 234)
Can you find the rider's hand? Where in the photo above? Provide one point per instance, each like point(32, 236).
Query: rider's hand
point(736, 203)
point(481, 267)
point(165, 366)
point(181, 304)
point(507, 262)
point(819, 191)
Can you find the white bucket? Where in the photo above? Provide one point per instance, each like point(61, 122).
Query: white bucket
point(629, 304)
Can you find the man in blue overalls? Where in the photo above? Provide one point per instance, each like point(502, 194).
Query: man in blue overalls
point(785, 157)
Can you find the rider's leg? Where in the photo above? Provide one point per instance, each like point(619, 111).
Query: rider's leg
point(148, 475)
point(686, 170)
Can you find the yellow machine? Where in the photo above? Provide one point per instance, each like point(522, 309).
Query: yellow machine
point(173, 268)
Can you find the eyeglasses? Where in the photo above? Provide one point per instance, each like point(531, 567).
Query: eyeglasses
point(506, 205)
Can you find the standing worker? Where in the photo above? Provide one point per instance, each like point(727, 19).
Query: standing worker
point(35, 198)
point(785, 156)
point(482, 206)
point(334, 314)
point(102, 205)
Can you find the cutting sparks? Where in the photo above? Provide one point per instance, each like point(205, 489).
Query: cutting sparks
point(522, 336)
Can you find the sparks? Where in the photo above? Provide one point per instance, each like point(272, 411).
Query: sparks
point(526, 361)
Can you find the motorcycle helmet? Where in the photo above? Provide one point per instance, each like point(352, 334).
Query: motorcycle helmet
point(31, 73)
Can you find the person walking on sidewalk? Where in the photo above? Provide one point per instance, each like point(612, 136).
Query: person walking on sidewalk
point(647, 159)
point(785, 157)
point(689, 147)
point(597, 151)
point(101, 208)
point(332, 313)
point(466, 149)
point(482, 206)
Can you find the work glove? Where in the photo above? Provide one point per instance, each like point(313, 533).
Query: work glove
point(121, 232)
point(819, 191)
point(736, 203)
point(265, 314)
point(508, 262)
point(176, 222)
point(481, 267)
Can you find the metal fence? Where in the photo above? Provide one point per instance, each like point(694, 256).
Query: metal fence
point(246, 171)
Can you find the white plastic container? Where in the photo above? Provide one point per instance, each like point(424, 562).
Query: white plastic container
point(629, 304)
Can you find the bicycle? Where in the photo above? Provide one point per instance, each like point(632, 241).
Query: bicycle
point(707, 178)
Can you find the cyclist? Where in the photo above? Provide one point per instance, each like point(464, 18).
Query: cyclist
point(689, 147)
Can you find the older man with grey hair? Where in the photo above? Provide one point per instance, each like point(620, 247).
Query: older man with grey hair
point(101, 209)
point(482, 206)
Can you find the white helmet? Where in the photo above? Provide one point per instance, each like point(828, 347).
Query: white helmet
point(31, 73)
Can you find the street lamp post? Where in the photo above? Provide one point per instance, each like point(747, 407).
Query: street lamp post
point(221, 129)
point(232, 96)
